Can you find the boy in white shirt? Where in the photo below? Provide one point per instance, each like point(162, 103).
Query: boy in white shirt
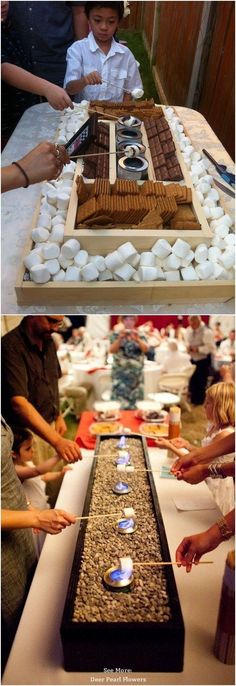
point(98, 67)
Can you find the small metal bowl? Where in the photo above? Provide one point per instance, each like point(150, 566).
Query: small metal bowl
point(116, 580)
point(126, 525)
point(128, 134)
point(124, 121)
point(121, 488)
point(122, 146)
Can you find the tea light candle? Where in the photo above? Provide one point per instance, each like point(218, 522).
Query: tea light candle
point(121, 488)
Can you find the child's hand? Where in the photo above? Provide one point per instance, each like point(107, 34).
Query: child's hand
point(66, 469)
point(162, 443)
point(92, 79)
point(180, 442)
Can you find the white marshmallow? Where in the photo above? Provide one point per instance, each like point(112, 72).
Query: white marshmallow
point(32, 258)
point(180, 248)
point(207, 211)
point(136, 277)
point(200, 197)
point(58, 219)
point(209, 202)
point(57, 234)
point(172, 276)
point(205, 269)
point(195, 156)
point(189, 274)
point(127, 251)
point(147, 273)
point(198, 168)
point(227, 258)
point(189, 149)
point(201, 252)
point(64, 262)
point(70, 248)
point(172, 262)
point(105, 276)
point(72, 274)
point(48, 209)
point(52, 197)
point(214, 253)
point(195, 179)
point(125, 272)
point(50, 251)
point(113, 260)
point(161, 248)
point(219, 271)
point(188, 259)
point(62, 201)
point(129, 468)
point(81, 258)
point(208, 178)
point(53, 266)
point(213, 194)
point(203, 187)
point(129, 512)
point(230, 239)
point(135, 260)
point(61, 140)
point(99, 262)
point(216, 212)
point(228, 220)
point(147, 259)
point(221, 230)
point(121, 467)
point(39, 273)
point(45, 221)
point(89, 272)
point(137, 93)
point(40, 234)
point(60, 276)
point(126, 563)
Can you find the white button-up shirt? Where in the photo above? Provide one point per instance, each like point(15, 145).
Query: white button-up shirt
point(118, 69)
point(201, 338)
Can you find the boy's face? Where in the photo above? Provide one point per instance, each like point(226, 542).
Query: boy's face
point(26, 450)
point(104, 23)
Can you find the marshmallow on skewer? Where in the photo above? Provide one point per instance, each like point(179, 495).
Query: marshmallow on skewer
point(137, 93)
point(129, 468)
point(121, 467)
point(129, 512)
point(126, 565)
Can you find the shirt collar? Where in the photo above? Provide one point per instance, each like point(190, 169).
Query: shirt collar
point(115, 47)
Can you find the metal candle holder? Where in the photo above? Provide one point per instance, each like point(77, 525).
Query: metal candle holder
point(116, 580)
point(121, 488)
point(126, 525)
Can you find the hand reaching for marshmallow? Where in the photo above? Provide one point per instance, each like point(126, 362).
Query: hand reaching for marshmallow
point(92, 79)
point(43, 162)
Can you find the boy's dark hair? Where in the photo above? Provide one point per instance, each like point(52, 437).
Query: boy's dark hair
point(20, 436)
point(118, 6)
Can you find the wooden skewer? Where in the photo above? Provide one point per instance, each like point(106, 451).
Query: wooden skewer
point(111, 514)
point(105, 114)
point(93, 154)
point(157, 564)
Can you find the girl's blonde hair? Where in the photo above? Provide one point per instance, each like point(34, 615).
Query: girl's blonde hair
point(223, 406)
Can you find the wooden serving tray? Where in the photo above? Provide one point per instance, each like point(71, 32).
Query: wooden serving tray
point(121, 644)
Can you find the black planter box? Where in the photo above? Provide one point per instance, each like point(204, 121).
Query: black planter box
point(123, 646)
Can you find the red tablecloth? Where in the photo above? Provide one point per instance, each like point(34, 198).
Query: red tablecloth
point(86, 440)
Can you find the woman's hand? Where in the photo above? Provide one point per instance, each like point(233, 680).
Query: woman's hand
point(57, 97)
point(184, 462)
point(163, 443)
point(180, 443)
point(193, 475)
point(44, 162)
point(192, 548)
point(53, 521)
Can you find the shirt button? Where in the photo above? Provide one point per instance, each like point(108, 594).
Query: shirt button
point(31, 28)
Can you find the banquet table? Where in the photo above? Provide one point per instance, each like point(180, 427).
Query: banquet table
point(94, 372)
point(18, 207)
point(36, 656)
point(129, 420)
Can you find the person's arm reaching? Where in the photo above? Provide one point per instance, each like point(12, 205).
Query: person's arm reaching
point(15, 76)
point(51, 521)
point(201, 471)
point(193, 547)
point(24, 471)
point(223, 446)
point(39, 164)
point(68, 450)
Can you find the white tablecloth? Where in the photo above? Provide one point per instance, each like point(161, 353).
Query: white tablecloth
point(101, 378)
point(36, 655)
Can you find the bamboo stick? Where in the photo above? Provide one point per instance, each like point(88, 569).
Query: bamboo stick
point(157, 564)
point(111, 514)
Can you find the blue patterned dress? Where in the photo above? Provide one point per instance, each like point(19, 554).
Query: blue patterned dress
point(127, 373)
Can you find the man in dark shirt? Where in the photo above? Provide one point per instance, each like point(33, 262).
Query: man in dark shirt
point(46, 30)
point(30, 372)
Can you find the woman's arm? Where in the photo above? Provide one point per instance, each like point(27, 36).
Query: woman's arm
point(51, 521)
point(217, 448)
point(39, 164)
point(192, 548)
point(20, 78)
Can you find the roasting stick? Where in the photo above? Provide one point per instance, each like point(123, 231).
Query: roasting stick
point(105, 114)
point(157, 564)
point(111, 514)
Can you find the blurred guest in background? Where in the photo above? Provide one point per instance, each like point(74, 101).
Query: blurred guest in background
point(81, 339)
point(174, 360)
point(227, 347)
point(218, 333)
point(200, 345)
point(128, 348)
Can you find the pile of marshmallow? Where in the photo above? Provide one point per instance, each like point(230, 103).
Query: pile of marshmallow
point(71, 121)
point(69, 262)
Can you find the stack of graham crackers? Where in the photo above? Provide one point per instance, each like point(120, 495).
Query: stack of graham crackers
point(149, 206)
point(139, 109)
